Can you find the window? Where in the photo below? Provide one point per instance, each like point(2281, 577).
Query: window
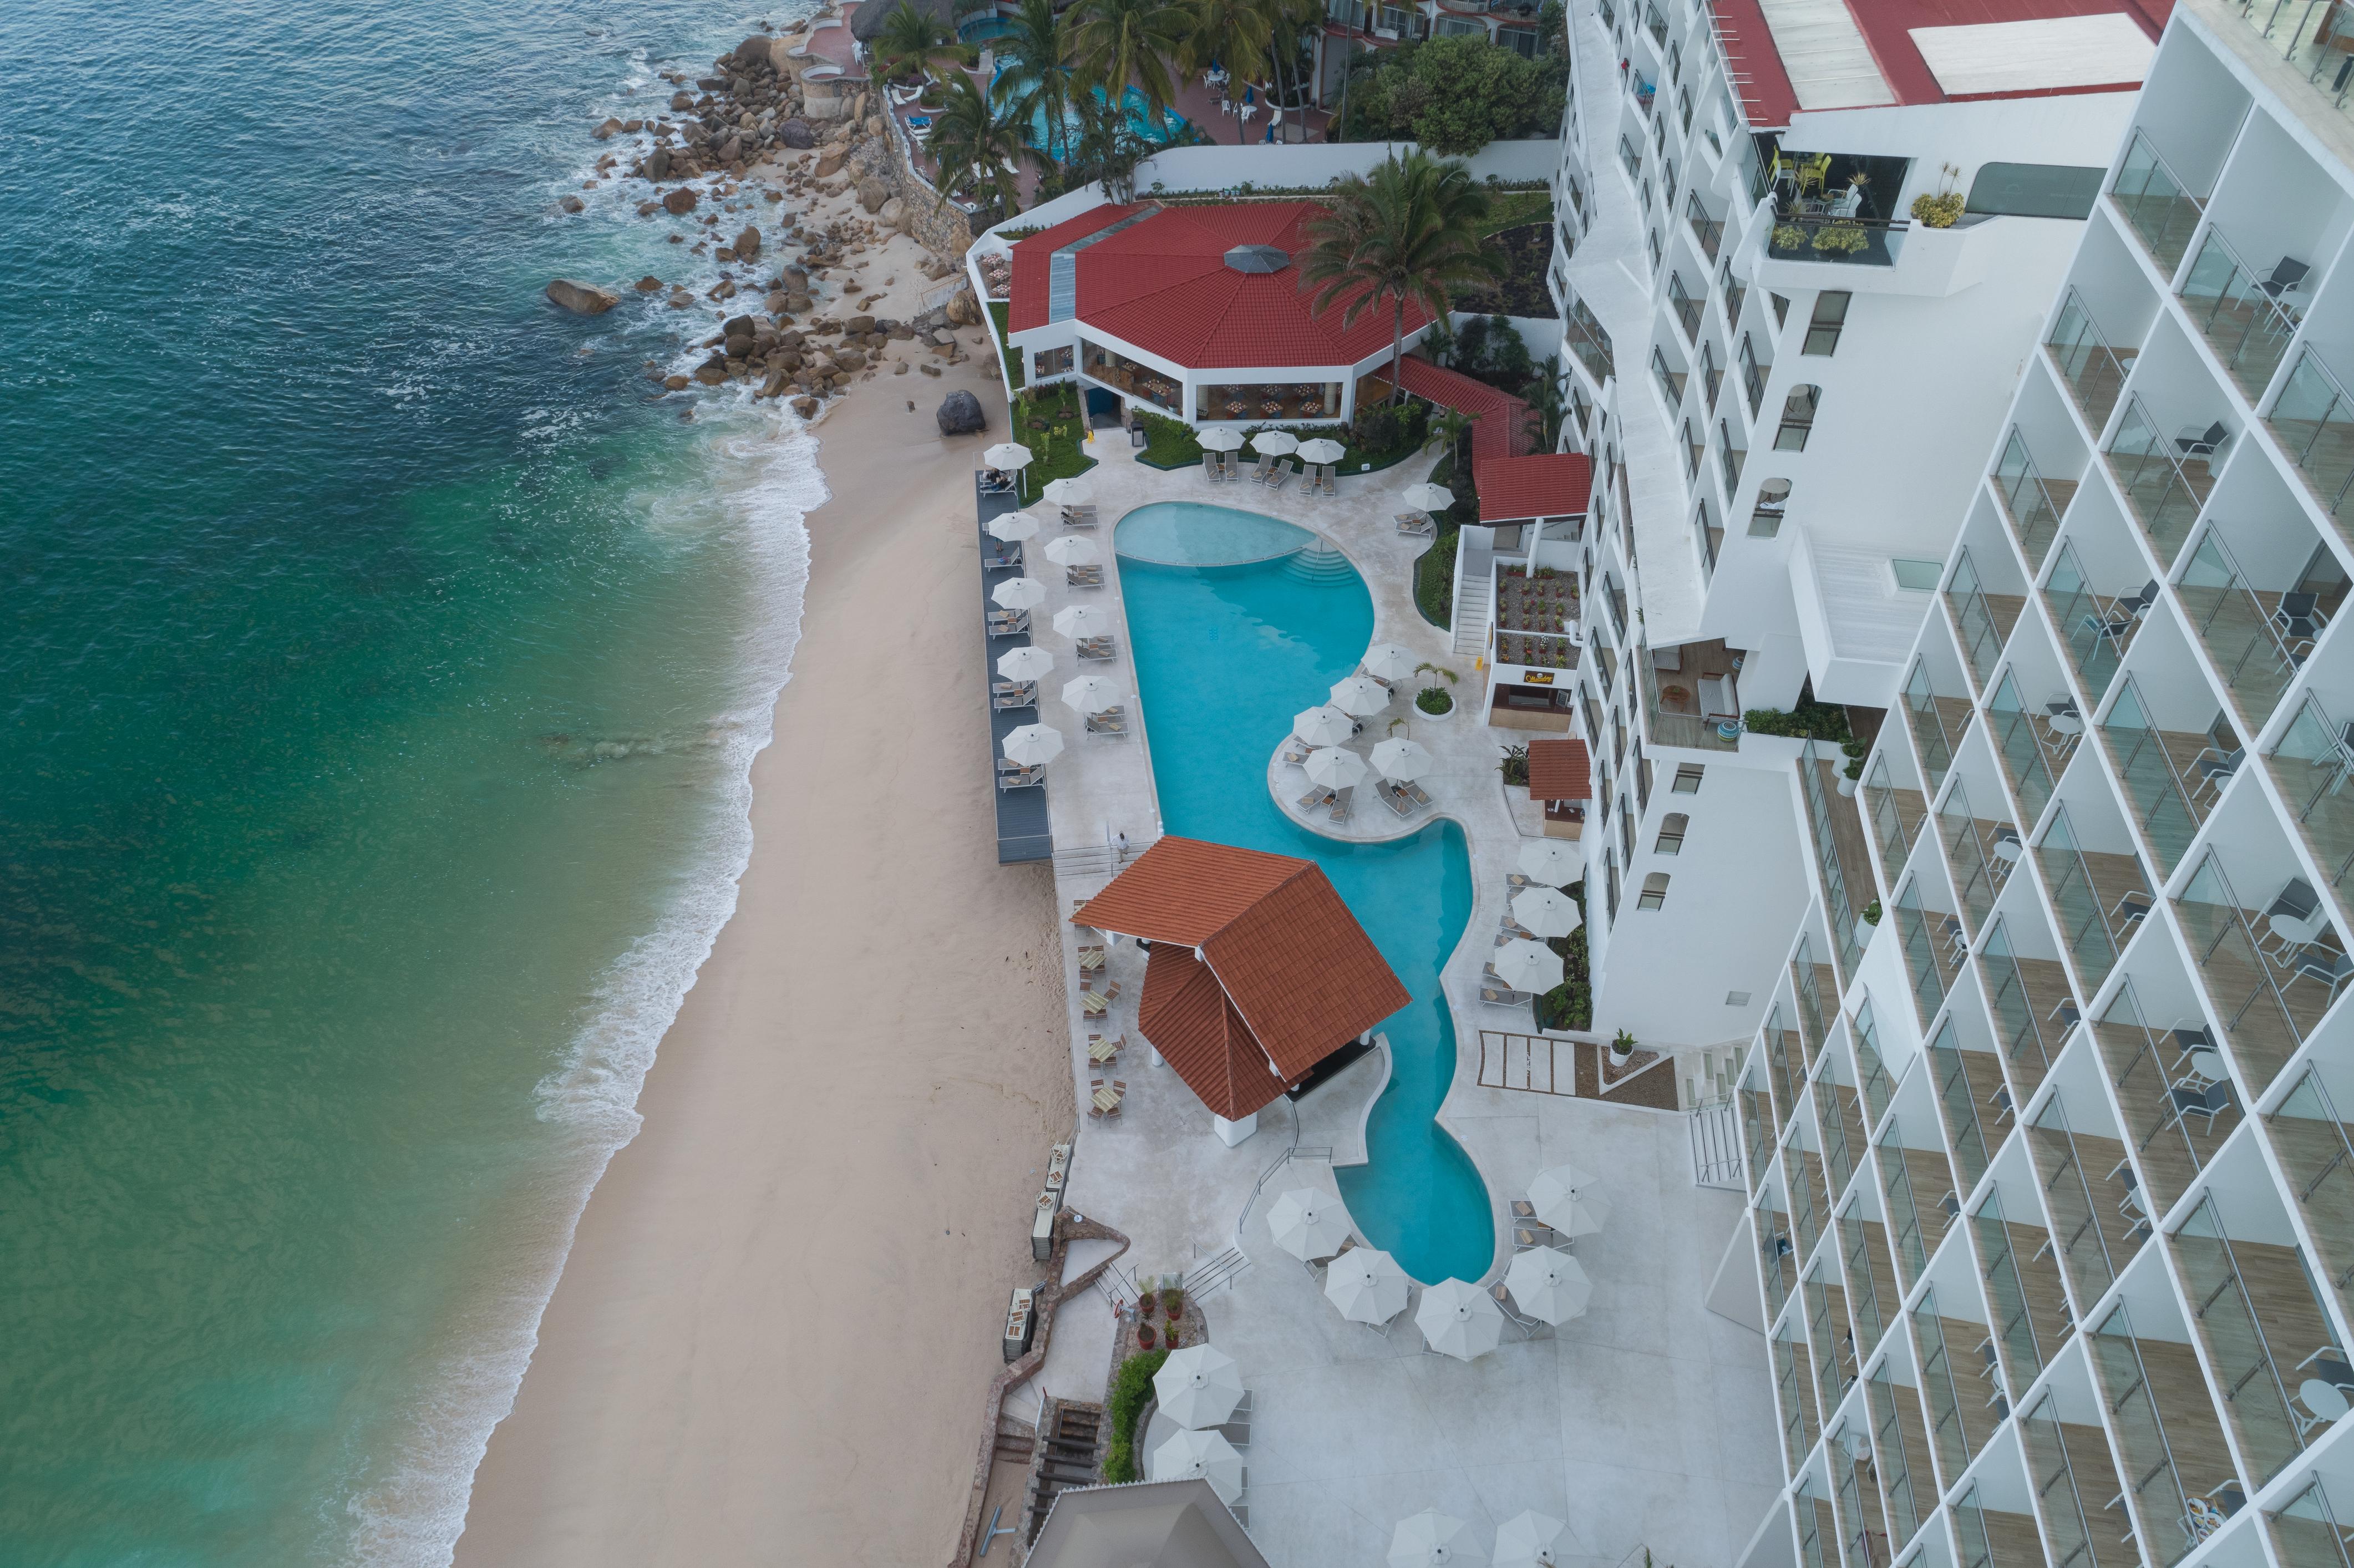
point(1688, 777)
point(2034, 190)
point(1823, 328)
point(1671, 382)
point(1710, 537)
point(1711, 375)
point(1672, 834)
point(1798, 419)
point(1920, 576)
point(1048, 361)
point(1519, 40)
point(1691, 452)
point(1781, 310)
point(1655, 891)
point(1458, 27)
point(1765, 518)
point(1610, 882)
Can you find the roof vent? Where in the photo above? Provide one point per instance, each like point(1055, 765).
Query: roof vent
point(1257, 258)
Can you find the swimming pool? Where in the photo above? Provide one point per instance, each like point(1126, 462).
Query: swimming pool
point(1225, 656)
point(1140, 120)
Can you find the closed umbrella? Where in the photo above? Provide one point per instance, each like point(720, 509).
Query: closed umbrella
point(1073, 550)
point(1025, 663)
point(1198, 1386)
point(1221, 441)
point(1429, 497)
point(1274, 443)
point(1530, 1540)
point(1548, 1284)
point(1091, 694)
point(1361, 696)
point(1322, 726)
point(1335, 768)
point(1401, 759)
point(1366, 1284)
point(1458, 1319)
point(1546, 912)
point(1070, 493)
point(1548, 861)
point(1200, 1456)
point(1389, 662)
point(1019, 593)
point(1007, 454)
point(1322, 450)
point(1012, 526)
point(1566, 1199)
point(1527, 966)
point(1434, 1540)
point(1306, 1223)
point(1033, 744)
point(1082, 620)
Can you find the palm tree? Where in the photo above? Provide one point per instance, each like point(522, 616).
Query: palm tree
point(1408, 234)
point(913, 39)
point(1117, 44)
point(1106, 149)
point(977, 143)
point(1548, 404)
point(1232, 33)
point(1035, 75)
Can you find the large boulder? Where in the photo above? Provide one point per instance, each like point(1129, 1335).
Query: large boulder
point(748, 244)
point(960, 415)
point(753, 51)
point(962, 311)
point(796, 133)
point(581, 299)
point(731, 149)
point(606, 130)
point(894, 214)
point(873, 194)
point(829, 162)
point(681, 200)
point(658, 163)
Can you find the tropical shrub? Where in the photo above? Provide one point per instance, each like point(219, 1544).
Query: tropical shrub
point(1131, 1391)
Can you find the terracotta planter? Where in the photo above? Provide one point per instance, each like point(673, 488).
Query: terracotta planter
point(1144, 1336)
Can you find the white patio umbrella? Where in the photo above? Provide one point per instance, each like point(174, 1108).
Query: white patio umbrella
point(1460, 1320)
point(1012, 526)
point(1322, 726)
point(1306, 1223)
point(1361, 696)
point(1198, 1386)
point(1274, 443)
point(1019, 593)
point(1548, 1284)
point(1201, 1455)
point(1389, 662)
point(1091, 694)
point(1082, 620)
point(1429, 497)
point(1073, 550)
point(1401, 759)
point(1433, 1540)
point(1566, 1199)
point(1025, 663)
point(1527, 966)
point(1335, 768)
point(1366, 1284)
point(1530, 1540)
point(1548, 861)
point(1007, 454)
point(1070, 493)
point(1219, 441)
point(1546, 912)
point(1322, 450)
point(1033, 744)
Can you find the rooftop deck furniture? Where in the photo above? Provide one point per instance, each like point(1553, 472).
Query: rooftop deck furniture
point(1013, 694)
point(1097, 648)
point(1096, 1003)
point(994, 481)
point(1091, 956)
point(1103, 1099)
point(2206, 1100)
point(1102, 1051)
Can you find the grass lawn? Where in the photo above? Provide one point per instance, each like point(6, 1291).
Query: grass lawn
point(1172, 444)
point(1509, 209)
point(1047, 421)
point(999, 312)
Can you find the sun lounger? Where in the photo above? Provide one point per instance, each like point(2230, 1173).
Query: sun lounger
point(1500, 997)
point(1014, 694)
point(1213, 469)
point(1421, 796)
point(1377, 680)
point(1283, 474)
point(1416, 522)
point(1003, 557)
point(1234, 467)
point(1332, 480)
point(1097, 648)
point(1013, 778)
point(1079, 516)
point(1113, 724)
point(1259, 474)
point(1295, 751)
point(1395, 800)
point(1315, 798)
point(1007, 622)
point(1341, 801)
point(1083, 577)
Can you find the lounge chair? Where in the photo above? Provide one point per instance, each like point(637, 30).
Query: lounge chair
point(1079, 516)
point(1083, 577)
point(1315, 799)
point(1010, 777)
point(1283, 474)
point(1259, 474)
point(1004, 556)
point(1295, 751)
point(1007, 622)
point(1213, 467)
point(1501, 995)
point(1394, 798)
point(1418, 524)
point(1421, 796)
point(1113, 723)
point(1340, 803)
point(1233, 470)
point(1014, 693)
point(1097, 648)
point(1326, 478)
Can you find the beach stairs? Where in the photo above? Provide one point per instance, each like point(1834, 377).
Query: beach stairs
point(1068, 1452)
point(1474, 589)
point(1216, 1272)
point(1106, 860)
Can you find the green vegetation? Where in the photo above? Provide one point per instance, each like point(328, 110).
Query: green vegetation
point(1168, 443)
point(1454, 95)
point(1811, 721)
point(1434, 700)
point(1382, 438)
point(1434, 580)
point(1515, 766)
point(1131, 1389)
point(1000, 314)
point(1570, 1004)
point(1047, 420)
point(1406, 234)
point(1509, 209)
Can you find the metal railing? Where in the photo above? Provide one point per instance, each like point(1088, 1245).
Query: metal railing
point(2095, 635)
point(2316, 35)
point(1589, 342)
point(2026, 499)
point(2246, 324)
point(2092, 368)
point(2158, 205)
point(2089, 923)
point(1847, 930)
point(1687, 308)
point(1982, 639)
point(1709, 232)
point(1819, 237)
point(2152, 476)
point(2239, 632)
point(2155, 785)
point(2313, 419)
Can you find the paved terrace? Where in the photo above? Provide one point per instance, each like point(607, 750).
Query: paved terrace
point(1648, 1422)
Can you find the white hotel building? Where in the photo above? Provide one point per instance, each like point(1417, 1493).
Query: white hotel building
point(2052, 1202)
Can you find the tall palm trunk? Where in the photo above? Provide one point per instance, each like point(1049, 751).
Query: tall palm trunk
point(1397, 349)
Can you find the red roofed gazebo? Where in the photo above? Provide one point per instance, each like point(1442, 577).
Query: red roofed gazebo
point(1258, 969)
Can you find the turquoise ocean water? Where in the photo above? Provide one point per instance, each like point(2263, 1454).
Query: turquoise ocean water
point(381, 673)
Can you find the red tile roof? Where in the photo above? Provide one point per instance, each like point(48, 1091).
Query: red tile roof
point(1541, 484)
point(1163, 286)
point(1502, 420)
point(1559, 770)
point(1284, 976)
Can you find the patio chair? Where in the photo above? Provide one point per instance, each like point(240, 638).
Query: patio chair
point(1213, 467)
point(1496, 993)
point(1395, 800)
point(2188, 1040)
point(1011, 777)
point(1097, 647)
point(2137, 603)
point(1418, 524)
point(1259, 474)
point(2331, 967)
point(1283, 474)
point(1079, 516)
point(2299, 618)
point(1420, 796)
point(1340, 803)
point(2287, 276)
point(1234, 467)
point(2209, 1100)
point(2192, 441)
point(2215, 768)
point(2296, 900)
point(1005, 557)
point(1296, 750)
point(1007, 622)
point(1513, 1315)
point(1315, 798)
point(1331, 481)
point(1095, 1087)
point(1005, 694)
point(1083, 577)
point(2128, 909)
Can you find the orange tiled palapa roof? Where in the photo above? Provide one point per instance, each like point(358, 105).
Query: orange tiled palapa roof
point(1259, 970)
point(1559, 770)
point(1541, 484)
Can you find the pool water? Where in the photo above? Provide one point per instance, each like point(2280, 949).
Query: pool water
point(1140, 120)
point(1225, 656)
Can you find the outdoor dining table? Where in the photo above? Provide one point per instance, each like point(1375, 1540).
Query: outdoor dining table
point(1102, 1050)
point(1106, 1098)
point(1094, 1003)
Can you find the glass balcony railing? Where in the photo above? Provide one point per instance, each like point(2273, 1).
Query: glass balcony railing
point(1984, 624)
point(1756, 1131)
point(2166, 489)
point(1872, 1296)
point(2178, 1103)
point(2158, 768)
point(2305, 1532)
point(1960, 1096)
point(1790, 1378)
point(1895, 816)
point(1810, 1205)
point(2316, 37)
point(2316, 1147)
point(1707, 231)
point(2314, 421)
point(1932, 942)
point(2248, 1364)
point(1936, 723)
point(1826, 1335)
point(2311, 763)
point(1978, 853)
point(2154, 1451)
point(2094, 1224)
point(2157, 205)
point(2033, 1009)
point(2250, 990)
point(1958, 1419)
point(2095, 631)
point(2099, 899)
point(1897, 1451)
point(1588, 342)
point(1873, 1076)
point(1826, 813)
point(2022, 1349)
point(1798, 236)
point(1907, 1241)
point(1779, 1072)
point(1843, 1132)
point(2094, 367)
point(1818, 994)
point(2060, 1493)
point(2239, 628)
point(2033, 503)
point(2035, 746)
point(2247, 324)
point(1774, 1242)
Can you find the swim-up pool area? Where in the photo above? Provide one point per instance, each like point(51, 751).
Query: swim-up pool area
point(1238, 621)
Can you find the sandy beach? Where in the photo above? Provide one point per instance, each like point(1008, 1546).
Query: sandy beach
point(773, 1334)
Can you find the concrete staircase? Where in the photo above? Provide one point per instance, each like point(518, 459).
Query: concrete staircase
point(1474, 599)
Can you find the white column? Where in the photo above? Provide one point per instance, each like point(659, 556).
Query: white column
point(1231, 1133)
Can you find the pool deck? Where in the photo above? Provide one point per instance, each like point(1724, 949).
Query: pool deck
point(1648, 1422)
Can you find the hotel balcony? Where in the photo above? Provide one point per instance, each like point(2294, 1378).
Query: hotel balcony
point(2264, 1328)
point(2311, 765)
point(1917, 1193)
point(1937, 721)
point(2033, 739)
point(2033, 1006)
point(1811, 1203)
point(2099, 896)
point(1908, 1481)
point(1694, 697)
point(1818, 1523)
point(1793, 1372)
point(1758, 1128)
point(2096, 627)
point(1849, 1453)
point(1983, 618)
point(2092, 365)
point(2172, 776)
point(1785, 1066)
point(1969, 1088)
point(1839, 1112)
point(1979, 853)
point(2259, 626)
point(1588, 343)
point(2316, 1149)
point(1933, 943)
point(2156, 204)
point(1897, 812)
point(2024, 1289)
point(1829, 1338)
point(1960, 1384)
point(2098, 1222)
point(1873, 1296)
point(2075, 1479)
point(1995, 1537)
point(1835, 832)
point(1772, 1223)
point(2271, 970)
point(1871, 1075)
point(2033, 501)
point(2164, 1423)
point(2306, 1533)
point(1817, 988)
point(2243, 315)
point(2313, 419)
point(2166, 477)
point(2177, 1099)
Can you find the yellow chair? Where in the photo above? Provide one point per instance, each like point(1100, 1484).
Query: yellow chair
point(1813, 173)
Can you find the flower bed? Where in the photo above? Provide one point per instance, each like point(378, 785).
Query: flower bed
point(1543, 600)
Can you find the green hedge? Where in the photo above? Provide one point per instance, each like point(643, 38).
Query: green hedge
point(999, 313)
point(1059, 451)
point(1172, 443)
point(1131, 1389)
point(1570, 1004)
point(1434, 580)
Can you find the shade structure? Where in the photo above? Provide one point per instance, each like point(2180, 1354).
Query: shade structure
point(1007, 454)
point(1070, 493)
point(1389, 662)
point(1548, 1284)
point(1012, 526)
point(1530, 1540)
point(1221, 441)
point(1033, 744)
point(1366, 1284)
point(1433, 1540)
point(1322, 726)
point(1019, 593)
point(1322, 450)
point(1091, 694)
point(1457, 1319)
point(1401, 759)
point(1429, 497)
point(1548, 861)
point(1336, 768)
point(1198, 1386)
point(1306, 1223)
point(1025, 663)
point(1201, 1455)
point(1546, 912)
point(1361, 696)
point(1073, 550)
point(1527, 966)
point(1274, 443)
point(1083, 621)
point(1566, 1199)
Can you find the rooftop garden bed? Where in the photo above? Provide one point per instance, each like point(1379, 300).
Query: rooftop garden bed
point(1538, 600)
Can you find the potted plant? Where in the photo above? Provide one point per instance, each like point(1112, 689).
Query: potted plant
point(1937, 211)
point(1841, 239)
point(1435, 701)
point(1789, 236)
point(1622, 1048)
point(1872, 913)
point(1173, 1303)
point(1144, 1336)
point(1145, 1301)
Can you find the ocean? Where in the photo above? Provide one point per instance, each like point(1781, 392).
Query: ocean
point(383, 667)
